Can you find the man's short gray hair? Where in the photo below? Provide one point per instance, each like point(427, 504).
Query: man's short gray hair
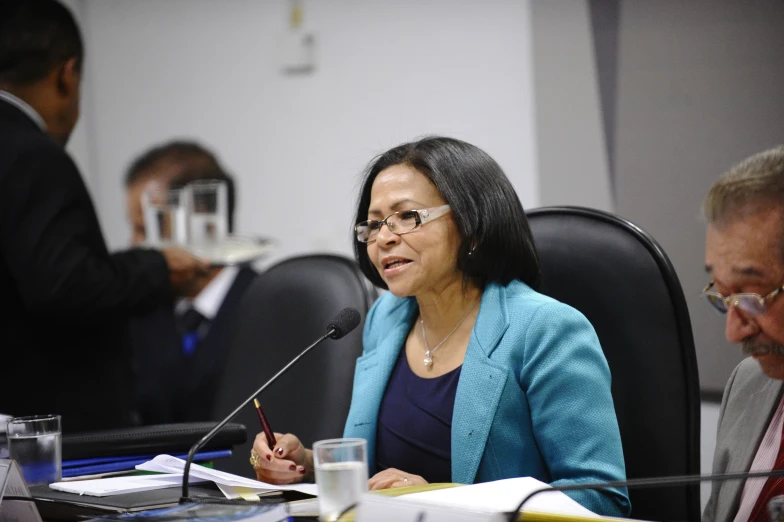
point(756, 183)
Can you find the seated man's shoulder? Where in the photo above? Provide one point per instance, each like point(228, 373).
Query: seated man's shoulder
point(747, 378)
point(749, 368)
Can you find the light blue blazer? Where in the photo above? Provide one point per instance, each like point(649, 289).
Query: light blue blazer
point(533, 397)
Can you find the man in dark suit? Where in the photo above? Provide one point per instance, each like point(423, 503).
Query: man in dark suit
point(66, 299)
point(181, 348)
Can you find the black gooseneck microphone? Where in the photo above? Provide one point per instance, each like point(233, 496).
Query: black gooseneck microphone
point(343, 323)
point(672, 481)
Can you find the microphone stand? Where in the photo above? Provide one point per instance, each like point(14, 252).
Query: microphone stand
point(201, 442)
point(678, 480)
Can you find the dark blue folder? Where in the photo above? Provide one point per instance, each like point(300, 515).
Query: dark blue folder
point(79, 467)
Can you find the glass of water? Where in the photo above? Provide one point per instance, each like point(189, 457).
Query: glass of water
point(164, 217)
point(35, 443)
point(341, 474)
point(208, 212)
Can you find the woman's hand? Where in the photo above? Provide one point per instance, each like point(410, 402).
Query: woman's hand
point(394, 478)
point(287, 463)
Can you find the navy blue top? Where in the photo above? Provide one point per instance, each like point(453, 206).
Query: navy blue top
point(415, 423)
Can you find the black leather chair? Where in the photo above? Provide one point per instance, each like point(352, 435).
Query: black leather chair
point(619, 277)
point(286, 309)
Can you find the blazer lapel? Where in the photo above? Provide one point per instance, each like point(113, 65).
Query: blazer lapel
point(479, 377)
point(752, 426)
point(373, 371)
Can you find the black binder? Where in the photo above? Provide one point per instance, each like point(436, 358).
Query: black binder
point(61, 506)
point(143, 440)
point(163, 438)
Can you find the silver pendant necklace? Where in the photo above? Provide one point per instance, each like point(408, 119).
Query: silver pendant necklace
point(428, 351)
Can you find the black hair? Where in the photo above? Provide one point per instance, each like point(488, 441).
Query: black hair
point(179, 152)
point(35, 37)
point(489, 216)
point(195, 163)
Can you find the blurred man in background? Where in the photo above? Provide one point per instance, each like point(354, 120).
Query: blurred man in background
point(744, 257)
point(181, 347)
point(66, 300)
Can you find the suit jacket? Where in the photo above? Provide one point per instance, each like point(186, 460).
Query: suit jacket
point(66, 300)
point(749, 402)
point(173, 386)
point(533, 397)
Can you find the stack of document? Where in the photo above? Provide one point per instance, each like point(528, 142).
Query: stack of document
point(119, 485)
point(504, 496)
point(171, 469)
point(487, 501)
point(484, 502)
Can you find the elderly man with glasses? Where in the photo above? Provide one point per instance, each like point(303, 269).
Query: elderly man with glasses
point(744, 257)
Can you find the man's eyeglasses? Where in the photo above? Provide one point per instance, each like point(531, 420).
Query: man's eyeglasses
point(752, 304)
point(398, 223)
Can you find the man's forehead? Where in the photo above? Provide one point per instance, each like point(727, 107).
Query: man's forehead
point(153, 184)
point(750, 248)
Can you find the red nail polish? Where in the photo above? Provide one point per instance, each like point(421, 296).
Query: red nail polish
point(302, 471)
point(279, 451)
point(292, 467)
point(269, 457)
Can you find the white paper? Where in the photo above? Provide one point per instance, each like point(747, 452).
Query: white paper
point(376, 508)
point(504, 495)
point(169, 464)
point(117, 485)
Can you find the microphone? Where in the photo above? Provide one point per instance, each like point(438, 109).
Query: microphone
point(671, 481)
point(343, 323)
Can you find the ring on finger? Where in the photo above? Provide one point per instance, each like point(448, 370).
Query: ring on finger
point(254, 459)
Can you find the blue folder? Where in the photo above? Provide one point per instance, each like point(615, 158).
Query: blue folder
point(79, 467)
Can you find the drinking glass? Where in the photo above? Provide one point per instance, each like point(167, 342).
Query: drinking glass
point(164, 214)
point(341, 474)
point(36, 445)
point(208, 212)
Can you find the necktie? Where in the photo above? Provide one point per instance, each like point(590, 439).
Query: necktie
point(191, 326)
point(773, 487)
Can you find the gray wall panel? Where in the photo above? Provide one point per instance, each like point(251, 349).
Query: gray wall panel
point(699, 88)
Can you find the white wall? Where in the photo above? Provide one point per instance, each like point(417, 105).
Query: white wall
point(386, 72)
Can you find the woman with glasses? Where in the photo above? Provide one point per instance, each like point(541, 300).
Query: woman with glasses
point(468, 374)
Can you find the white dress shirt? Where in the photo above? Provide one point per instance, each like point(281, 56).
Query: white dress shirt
point(24, 107)
point(210, 299)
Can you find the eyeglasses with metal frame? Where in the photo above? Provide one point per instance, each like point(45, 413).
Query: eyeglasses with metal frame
point(752, 304)
point(398, 223)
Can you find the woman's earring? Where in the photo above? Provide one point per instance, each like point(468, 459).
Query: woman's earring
point(470, 252)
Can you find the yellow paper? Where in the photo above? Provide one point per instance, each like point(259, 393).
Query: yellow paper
point(246, 494)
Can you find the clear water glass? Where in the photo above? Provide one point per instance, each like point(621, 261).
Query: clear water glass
point(164, 215)
point(341, 474)
point(208, 212)
point(36, 445)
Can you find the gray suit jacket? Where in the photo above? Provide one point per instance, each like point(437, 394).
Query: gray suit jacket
point(750, 399)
